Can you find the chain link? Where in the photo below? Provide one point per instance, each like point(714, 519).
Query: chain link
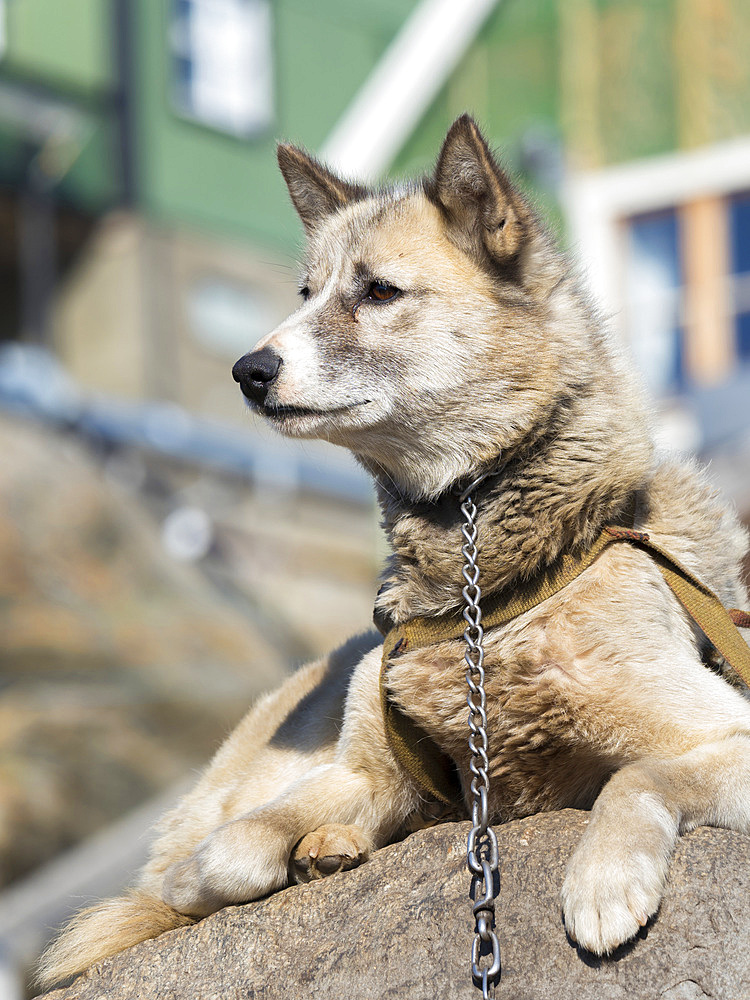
point(482, 851)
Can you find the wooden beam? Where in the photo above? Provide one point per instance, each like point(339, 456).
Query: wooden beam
point(709, 344)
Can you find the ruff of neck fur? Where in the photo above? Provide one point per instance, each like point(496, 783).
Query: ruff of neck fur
point(554, 496)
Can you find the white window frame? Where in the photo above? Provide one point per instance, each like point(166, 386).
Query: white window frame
point(184, 42)
point(596, 202)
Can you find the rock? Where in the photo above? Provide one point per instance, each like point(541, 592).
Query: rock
point(400, 926)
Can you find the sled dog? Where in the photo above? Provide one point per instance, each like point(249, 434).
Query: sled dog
point(442, 337)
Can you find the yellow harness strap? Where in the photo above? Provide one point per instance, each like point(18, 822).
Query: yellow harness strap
point(417, 752)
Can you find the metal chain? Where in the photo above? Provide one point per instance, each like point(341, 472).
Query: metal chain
point(482, 851)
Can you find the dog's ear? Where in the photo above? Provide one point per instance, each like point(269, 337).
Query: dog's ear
point(479, 202)
point(315, 191)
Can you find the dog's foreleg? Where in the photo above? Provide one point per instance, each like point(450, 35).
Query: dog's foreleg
point(616, 878)
point(250, 856)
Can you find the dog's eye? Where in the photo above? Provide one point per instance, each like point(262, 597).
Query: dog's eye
point(305, 292)
point(380, 291)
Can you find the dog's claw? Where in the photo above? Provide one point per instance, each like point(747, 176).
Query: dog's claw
point(327, 850)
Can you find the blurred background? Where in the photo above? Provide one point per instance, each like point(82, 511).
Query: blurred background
point(162, 558)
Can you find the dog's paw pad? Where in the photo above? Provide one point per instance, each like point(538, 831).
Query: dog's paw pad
point(327, 850)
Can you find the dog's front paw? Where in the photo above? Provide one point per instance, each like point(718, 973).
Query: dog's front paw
point(609, 893)
point(329, 849)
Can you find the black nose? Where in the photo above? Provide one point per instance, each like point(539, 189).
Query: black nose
point(256, 373)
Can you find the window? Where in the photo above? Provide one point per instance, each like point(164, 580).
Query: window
point(222, 63)
point(666, 245)
point(686, 293)
point(653, 298)
point(739, 228)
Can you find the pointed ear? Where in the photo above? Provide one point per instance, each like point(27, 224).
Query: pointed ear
point(315, 191)
point(480, 204)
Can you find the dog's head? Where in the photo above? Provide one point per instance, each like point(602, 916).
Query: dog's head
point(430, 335)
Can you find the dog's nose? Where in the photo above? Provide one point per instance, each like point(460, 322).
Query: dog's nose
point(256, 372)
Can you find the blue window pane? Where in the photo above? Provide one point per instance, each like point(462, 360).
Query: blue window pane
point(653, 290)
point(656, 237)
point(739, 223)
point(678, 374)
point(739, 236)
point(742, 329)
point(183, 72)
point(182, 11)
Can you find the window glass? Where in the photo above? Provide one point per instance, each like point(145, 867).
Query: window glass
point(739, 228)
point(653, 290)
point(222, 63)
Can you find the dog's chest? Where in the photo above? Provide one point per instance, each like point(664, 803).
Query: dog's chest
point(540, 756)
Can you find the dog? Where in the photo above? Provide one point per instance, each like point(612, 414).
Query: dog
point(442, 337)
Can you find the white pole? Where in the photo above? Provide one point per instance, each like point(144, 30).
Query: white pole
point(402, 86)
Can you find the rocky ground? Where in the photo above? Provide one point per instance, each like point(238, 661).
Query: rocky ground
point(400, 926)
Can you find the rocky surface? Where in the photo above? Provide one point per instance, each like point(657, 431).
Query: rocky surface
point(400, 926)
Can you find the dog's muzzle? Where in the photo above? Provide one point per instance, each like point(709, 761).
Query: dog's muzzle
point(256, 372)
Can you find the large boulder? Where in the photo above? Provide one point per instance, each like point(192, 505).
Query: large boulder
point(400, 926)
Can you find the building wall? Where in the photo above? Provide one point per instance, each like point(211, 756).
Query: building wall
point(194, 175)
point(98, 313)
point(608, 80)
point(566, 88)
point(66, 45)
point(163, 313)
point(60, 58)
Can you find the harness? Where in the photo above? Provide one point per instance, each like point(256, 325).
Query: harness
point(416, 751)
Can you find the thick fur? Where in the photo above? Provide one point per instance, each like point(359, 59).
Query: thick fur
point(484, 357)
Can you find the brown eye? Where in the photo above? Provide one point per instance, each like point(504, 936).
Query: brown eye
point(380, 291)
